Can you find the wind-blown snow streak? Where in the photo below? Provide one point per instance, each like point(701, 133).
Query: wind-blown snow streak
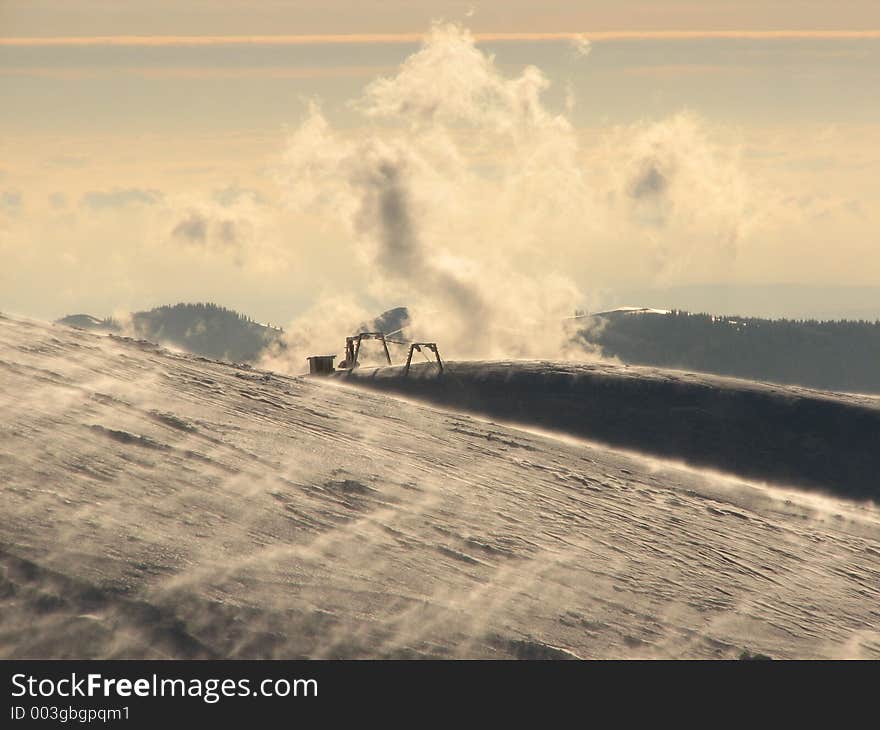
point(157, 504)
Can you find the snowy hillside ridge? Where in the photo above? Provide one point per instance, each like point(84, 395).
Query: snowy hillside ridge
point(162, 505)
point(783, 434)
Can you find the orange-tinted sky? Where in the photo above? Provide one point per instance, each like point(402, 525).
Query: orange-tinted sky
point(122, 119)
point(237, 17)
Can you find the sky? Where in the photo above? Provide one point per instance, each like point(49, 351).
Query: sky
point(536, 157)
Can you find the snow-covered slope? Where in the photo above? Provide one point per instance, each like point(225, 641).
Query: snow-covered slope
point(156, 504)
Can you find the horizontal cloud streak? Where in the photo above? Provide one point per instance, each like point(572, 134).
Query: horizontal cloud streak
point(196, 72)
point(369, 38)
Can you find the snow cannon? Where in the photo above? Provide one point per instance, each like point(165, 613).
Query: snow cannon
point(417, 347)
point(353, 348)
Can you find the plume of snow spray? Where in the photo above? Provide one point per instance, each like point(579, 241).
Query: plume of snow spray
point(475, 204)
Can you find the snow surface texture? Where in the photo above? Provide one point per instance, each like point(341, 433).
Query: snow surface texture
point(162, 505)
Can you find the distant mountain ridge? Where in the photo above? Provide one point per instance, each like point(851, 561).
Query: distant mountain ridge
point(830, 355)
point(391, 322)
point(213, 331)
point(88, 322)
point(202, 328)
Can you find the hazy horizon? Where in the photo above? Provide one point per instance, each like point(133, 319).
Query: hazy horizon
point(781, 300)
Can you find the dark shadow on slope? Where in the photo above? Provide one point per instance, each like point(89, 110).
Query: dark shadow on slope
point(754, 430)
